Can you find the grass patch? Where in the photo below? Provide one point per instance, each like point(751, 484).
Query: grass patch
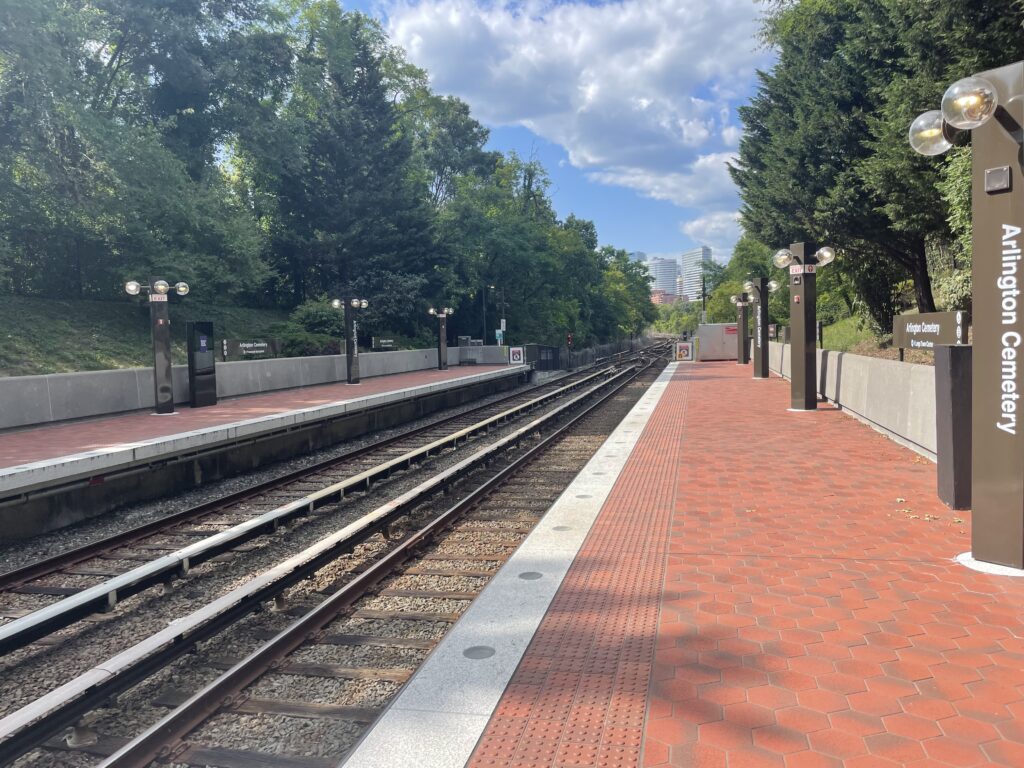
point(844, 335)
point(54, 336)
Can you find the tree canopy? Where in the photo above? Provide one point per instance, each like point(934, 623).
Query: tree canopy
point(825, 157)
point(280, 153)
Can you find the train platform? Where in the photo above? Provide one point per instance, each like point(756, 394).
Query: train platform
point(727, 583)
point(91, 451)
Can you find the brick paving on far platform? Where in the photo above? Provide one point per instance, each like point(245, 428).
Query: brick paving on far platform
point(777, 589)
point(51, 441)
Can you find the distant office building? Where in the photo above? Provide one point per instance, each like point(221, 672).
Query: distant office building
point(638, 256)
point(693, 267)
point(660, 297)
point(663, 275)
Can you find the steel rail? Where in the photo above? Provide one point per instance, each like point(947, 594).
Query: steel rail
point(158, 741)
point(164, 569)
point(30, 726)
point(49, 565)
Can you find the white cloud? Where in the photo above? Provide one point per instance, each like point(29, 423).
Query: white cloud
point(703, 183)
point(720, 230)
point(638, 92)
point(731, 135)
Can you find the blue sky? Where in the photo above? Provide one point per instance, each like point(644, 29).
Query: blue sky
point(630, 105)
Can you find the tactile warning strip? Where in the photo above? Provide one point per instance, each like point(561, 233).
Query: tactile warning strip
point(578, 696)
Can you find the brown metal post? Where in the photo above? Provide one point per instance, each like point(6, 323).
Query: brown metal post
point(953, 424)
point(160, 322)
point(997, 522)
point(803, 312)
point(351, 343)
point(742, 337)
point(442, 342)
point(761, 329)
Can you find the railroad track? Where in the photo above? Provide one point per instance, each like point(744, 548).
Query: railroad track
point(63, 589)
point(32, 725)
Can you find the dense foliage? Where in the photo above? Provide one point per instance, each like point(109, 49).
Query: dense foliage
point(278, 153)
point(825, 156)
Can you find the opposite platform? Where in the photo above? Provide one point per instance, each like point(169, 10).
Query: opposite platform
point(93, 451)
point(760, 588)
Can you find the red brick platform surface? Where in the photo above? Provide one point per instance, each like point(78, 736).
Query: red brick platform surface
point(766, 588)
point(52, 441)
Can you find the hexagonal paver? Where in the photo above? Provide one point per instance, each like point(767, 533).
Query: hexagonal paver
point(838, 743)
point(775, 738)
point(954, 752)
point(771, 696)
point(892, 747)
point(911, 726)
point(725, 735)
point(802, 719)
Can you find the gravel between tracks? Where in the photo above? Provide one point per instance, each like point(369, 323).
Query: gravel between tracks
point(17, 553)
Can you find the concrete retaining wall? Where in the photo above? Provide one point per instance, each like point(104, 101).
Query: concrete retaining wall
point(28, 400)
point(477, 355)
point(896, 398)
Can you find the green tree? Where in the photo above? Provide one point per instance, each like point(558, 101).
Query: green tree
point(825, 157)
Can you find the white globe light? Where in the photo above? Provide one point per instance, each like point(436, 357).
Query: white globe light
point(773, 285)
point(782, 258)
point(734, 298)
point(926, 135)
point(431, 311)
point(161, 287)
point(336, 303)
point(181, 288)
point(449, 311)
point(748, 286)
point(824, 256)
point(354, 303)
point(364, 303)
point(969, 103)
point(132, 288)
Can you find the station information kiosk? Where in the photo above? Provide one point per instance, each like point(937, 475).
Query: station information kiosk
point(202, 366)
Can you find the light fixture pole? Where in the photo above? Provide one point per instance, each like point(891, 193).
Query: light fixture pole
point(442, 335)
point(483, 311)
point(742, 340)
point(759, 290)
point(803, 261)
point(351, 306)
point(160, 325)
point(504, 331)
point(997, 203)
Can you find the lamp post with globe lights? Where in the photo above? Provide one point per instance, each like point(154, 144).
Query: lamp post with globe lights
point(160, 323)
point(442, 335)
point(759, 289)
point(742, 301)
point(803, 261)
point(351, 306)
point(990, 105)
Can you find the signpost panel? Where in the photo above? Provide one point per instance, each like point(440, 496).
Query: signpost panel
point(930, 329)
point(160, 319)
point(686, 351)
point(742, 337)
point(761, 330)
point(997, 521)
point(803, 310)
point(249, 348)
